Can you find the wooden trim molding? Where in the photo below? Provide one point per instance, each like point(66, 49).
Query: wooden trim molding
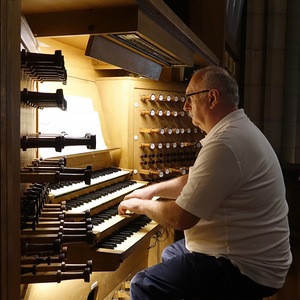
point(10, 149)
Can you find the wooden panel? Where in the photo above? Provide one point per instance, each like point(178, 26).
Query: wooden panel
point(44, 6)
point(83, 22)
point(122, 105)
point(168, 158)
point(97, 159)
point(10, 147)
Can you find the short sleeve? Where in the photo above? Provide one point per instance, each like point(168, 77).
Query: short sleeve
point(215, 175)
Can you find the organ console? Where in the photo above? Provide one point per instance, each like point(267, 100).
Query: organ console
point(70, 228)
point(69, 221)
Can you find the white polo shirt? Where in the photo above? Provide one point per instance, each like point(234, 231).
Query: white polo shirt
point(236, 187)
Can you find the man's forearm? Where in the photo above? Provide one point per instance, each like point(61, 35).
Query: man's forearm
point(169, 189)
point(166, 213)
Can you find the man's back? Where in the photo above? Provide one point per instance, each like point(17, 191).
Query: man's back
point(237, 190)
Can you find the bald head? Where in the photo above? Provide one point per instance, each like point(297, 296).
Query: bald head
point(213, 77)
point(211, 95)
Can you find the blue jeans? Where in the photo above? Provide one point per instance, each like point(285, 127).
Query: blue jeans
point(184, 275)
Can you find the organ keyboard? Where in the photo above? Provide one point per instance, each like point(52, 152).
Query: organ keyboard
point(125, 238)
point(115, 248)
point(115, 237)
point(94, 199)
point(97, 177)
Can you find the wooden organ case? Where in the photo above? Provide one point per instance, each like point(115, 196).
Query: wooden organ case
point(157, 142)
point(149, 139)
point(66, 242)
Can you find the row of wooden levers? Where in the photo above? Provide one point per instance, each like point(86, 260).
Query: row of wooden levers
point(49, 67)
point(44, 68)
point(70, 227)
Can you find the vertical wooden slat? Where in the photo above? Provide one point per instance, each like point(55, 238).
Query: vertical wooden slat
point(10, 149)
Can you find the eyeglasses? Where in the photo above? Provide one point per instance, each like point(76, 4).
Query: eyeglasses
point(195, 93)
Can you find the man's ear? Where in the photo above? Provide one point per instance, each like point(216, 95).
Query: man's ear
point(213, 98)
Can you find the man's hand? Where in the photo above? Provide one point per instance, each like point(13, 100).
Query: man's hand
point(132, 205)
point(166, 213)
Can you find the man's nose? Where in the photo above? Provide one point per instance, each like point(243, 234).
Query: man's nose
point(186, 106)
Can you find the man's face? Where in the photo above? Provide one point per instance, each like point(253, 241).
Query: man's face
point(197, 105)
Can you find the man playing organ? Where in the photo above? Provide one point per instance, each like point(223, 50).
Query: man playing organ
point(231, 206)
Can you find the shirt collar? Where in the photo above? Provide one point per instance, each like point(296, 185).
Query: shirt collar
point(231, 117)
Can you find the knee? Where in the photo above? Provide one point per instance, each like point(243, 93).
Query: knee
point(136, 285)
point(167, 254)
point(173, 250)
point(137, 279)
